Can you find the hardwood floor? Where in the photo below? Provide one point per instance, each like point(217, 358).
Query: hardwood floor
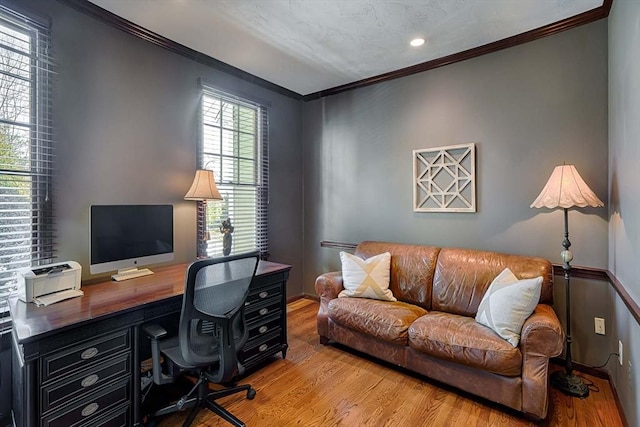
point(319, 385)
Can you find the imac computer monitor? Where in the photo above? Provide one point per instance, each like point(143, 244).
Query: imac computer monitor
point(124, 237)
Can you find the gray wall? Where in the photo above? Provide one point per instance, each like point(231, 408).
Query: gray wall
point(624, 192)
point(126, 119)
point(527, 108)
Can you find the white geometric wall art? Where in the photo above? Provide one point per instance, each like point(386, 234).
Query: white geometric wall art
point(445, 179)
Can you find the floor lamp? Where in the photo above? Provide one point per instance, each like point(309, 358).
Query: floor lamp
point(566, 189)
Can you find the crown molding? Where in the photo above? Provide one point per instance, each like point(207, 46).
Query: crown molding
point(535, 34)
point(96, 12)
point(135, 30)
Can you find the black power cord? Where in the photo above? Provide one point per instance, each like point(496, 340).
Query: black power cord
point(592, 387)
point(605, 363)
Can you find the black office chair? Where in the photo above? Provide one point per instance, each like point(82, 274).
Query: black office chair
point(211, 332)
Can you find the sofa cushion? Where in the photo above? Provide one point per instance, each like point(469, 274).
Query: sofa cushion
point(385, 320)
point(507, 304)
point(460, 339)
point(366, 278)
point(462, 277)
point(412, 268)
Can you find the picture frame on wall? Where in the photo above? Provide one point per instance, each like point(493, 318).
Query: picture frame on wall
point(445, 179)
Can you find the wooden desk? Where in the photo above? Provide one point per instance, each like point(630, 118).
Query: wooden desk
point(76, 362)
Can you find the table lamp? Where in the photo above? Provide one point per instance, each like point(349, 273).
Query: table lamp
point(566, 189)
point(202, 189)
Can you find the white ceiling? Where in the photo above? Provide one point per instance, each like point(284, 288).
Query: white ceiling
point(312, 45)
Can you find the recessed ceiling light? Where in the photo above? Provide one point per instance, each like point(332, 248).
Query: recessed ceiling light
point(417, 42)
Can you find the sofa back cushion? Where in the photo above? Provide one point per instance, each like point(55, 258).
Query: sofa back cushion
point(412, 269)
point(462, 277)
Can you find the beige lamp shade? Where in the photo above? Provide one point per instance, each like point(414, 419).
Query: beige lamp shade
point(203, 187)
point(566, 189)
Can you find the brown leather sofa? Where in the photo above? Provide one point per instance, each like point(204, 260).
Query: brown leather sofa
point(432, 329)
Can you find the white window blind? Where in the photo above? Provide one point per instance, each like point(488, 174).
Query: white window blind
point(234, 144)
point(26, 147)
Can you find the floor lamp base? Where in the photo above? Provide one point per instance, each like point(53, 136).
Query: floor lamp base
point(569, 384)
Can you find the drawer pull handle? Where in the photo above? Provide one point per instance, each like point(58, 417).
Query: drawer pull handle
point(89, 353)
point(264, 311)
point(263, 329)
point(89, 381)
point(263, 294)
point(263, 347)
point(89, 409)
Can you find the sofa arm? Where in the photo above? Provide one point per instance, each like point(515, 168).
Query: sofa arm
point(542, 337)
point(542, 333)
point(328, 286)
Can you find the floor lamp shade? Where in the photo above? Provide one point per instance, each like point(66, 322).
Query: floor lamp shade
point(566, 189)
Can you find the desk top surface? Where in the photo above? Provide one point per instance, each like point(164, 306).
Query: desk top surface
point(105, 299)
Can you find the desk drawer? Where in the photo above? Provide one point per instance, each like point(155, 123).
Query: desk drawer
point(118, 418)
point(78, 356)
point(263, 294)
point(272, 343)
point(72, 388)
point(92, 409)
point(265, 326)
point(262, 309)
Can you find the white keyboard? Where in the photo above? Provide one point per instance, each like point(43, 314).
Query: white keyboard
point(57, 297)
point(125, 275)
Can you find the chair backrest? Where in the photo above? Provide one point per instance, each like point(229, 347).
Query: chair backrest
point(212, 327)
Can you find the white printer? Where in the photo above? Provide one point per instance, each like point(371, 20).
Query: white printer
point(46, 284)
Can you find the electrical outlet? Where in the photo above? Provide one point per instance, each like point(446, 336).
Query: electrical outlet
point(599, 323)
point(620, 359)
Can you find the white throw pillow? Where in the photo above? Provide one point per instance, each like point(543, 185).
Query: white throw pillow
point(366, 278)
point(507, 303)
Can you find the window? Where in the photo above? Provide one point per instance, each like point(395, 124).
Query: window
point(234, 144)
point(26, 221)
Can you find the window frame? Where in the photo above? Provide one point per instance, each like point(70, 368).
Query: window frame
point(261, 179)
point(40, 169)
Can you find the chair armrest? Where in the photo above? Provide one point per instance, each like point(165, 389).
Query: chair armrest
point(154, 331)
point(542, 333)
point(328, 286)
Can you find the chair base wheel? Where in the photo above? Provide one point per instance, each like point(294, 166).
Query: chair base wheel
point(251, 393)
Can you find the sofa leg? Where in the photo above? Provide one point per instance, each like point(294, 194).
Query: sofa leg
point(324, 340)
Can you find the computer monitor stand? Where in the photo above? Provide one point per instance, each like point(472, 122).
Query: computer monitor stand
point(131, 273)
